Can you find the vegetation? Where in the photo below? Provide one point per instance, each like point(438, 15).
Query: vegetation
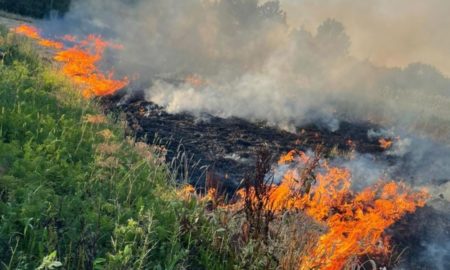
point(32, 8)
point(75, 192)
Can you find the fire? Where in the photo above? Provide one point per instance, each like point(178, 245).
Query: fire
point(80, 62)
point(34, 33)
point(186, 192)
point(385, 143)
point(356, 221)
point(28, 30)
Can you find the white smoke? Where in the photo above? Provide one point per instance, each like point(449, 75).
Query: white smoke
point(388, 33)
point(254, 65)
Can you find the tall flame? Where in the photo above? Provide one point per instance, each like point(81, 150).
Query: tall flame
point(356, 221)
point(80, 62)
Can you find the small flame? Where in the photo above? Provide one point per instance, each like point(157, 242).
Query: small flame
point(187, 192)
point(385, 143)
point(28, 30)
point(34, 33)
point(80, 62)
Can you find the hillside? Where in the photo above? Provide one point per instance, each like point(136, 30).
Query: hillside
point(214, 135)
point(74, 189)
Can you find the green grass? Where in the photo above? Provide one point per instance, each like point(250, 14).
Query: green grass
point(79, 193)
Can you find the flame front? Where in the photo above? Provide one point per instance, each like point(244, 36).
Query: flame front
point(356, 221)
point(80, 62)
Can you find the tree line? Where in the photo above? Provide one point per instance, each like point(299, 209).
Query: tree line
point(37, 9)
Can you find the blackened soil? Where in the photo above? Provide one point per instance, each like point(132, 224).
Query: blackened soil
point(423, 238)
point(227, 146)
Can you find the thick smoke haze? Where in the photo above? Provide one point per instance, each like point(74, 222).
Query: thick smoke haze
point(245, 59)
point(388, 33)
point(255, 65)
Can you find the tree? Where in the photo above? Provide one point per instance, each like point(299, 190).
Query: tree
point(332, 39)
point(37, 9)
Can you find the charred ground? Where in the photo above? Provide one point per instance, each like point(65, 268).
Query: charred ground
point(227, 146)
point(224, 149)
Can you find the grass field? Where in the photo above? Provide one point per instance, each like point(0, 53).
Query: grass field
point(75, 191)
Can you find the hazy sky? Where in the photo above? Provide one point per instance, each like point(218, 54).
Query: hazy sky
point(387, 32)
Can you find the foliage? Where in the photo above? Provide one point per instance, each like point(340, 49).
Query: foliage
point(75, 191)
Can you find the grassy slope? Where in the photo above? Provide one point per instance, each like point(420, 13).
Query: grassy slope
point(74, 185)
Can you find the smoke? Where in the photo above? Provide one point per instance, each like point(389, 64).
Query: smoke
point(254, 60)
point(247, 61)
point(254, 65)
point(388, 33)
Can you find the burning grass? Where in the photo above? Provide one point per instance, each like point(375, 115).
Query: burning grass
point(71, 184)
point(74, 192)
point(354, 222)
point(80, 60)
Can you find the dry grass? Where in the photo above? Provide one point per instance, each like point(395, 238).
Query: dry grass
point(95, 119)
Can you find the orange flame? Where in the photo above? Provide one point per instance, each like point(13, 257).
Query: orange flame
point(356, 221)
point(187, 192)
point(385, 143)
point(80, 62)
point(28, 30)
point(34, 33)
